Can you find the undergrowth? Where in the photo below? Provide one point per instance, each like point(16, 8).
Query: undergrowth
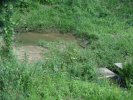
point(39, 81)
point(70, 72)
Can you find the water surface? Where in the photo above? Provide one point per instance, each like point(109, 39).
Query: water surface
point(33, 38)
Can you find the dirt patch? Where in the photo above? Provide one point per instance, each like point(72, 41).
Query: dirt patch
point(29, 53)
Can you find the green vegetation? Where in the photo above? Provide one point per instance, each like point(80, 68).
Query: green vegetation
point(70, 72)
point(8, 31)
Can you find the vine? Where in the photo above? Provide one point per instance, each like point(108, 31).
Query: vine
point(8, 31)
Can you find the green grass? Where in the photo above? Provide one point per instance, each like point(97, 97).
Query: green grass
point(71, 73)
point(68, 74)
point(91, 17)
point(37, 81)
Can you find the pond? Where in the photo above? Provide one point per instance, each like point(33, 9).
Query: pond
point(31, 38)
point(26, 43)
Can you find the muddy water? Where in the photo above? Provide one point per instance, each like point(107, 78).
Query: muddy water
point(33, 38)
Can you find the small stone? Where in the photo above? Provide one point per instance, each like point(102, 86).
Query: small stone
point(119, 65)
point(106, 73)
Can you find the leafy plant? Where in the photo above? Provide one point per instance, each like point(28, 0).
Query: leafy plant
point(8, 32)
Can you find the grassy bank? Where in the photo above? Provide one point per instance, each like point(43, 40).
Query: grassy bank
point(60, 75)
point(81, 17)
point(107, 25)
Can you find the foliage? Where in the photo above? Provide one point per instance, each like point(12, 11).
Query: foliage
point(127, 74)
point(36, 81)
point(50, 1)
point(73, 60)
point(70, 72)
point(8, 31)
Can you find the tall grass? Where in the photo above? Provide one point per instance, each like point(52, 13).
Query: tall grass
point(78, 16)
point(49, 80)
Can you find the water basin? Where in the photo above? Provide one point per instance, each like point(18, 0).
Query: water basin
point(31, 38)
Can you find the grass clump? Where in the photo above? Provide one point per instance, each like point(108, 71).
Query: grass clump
point(37, 81)
point(126, 75)
point(73, 60)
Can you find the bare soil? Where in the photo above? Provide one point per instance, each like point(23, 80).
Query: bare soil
point(30, 53)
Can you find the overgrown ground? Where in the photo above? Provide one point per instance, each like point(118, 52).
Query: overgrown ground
point(66, 74)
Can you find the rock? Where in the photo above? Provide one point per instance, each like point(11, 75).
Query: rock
point(105, 73)
point(119, 65)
